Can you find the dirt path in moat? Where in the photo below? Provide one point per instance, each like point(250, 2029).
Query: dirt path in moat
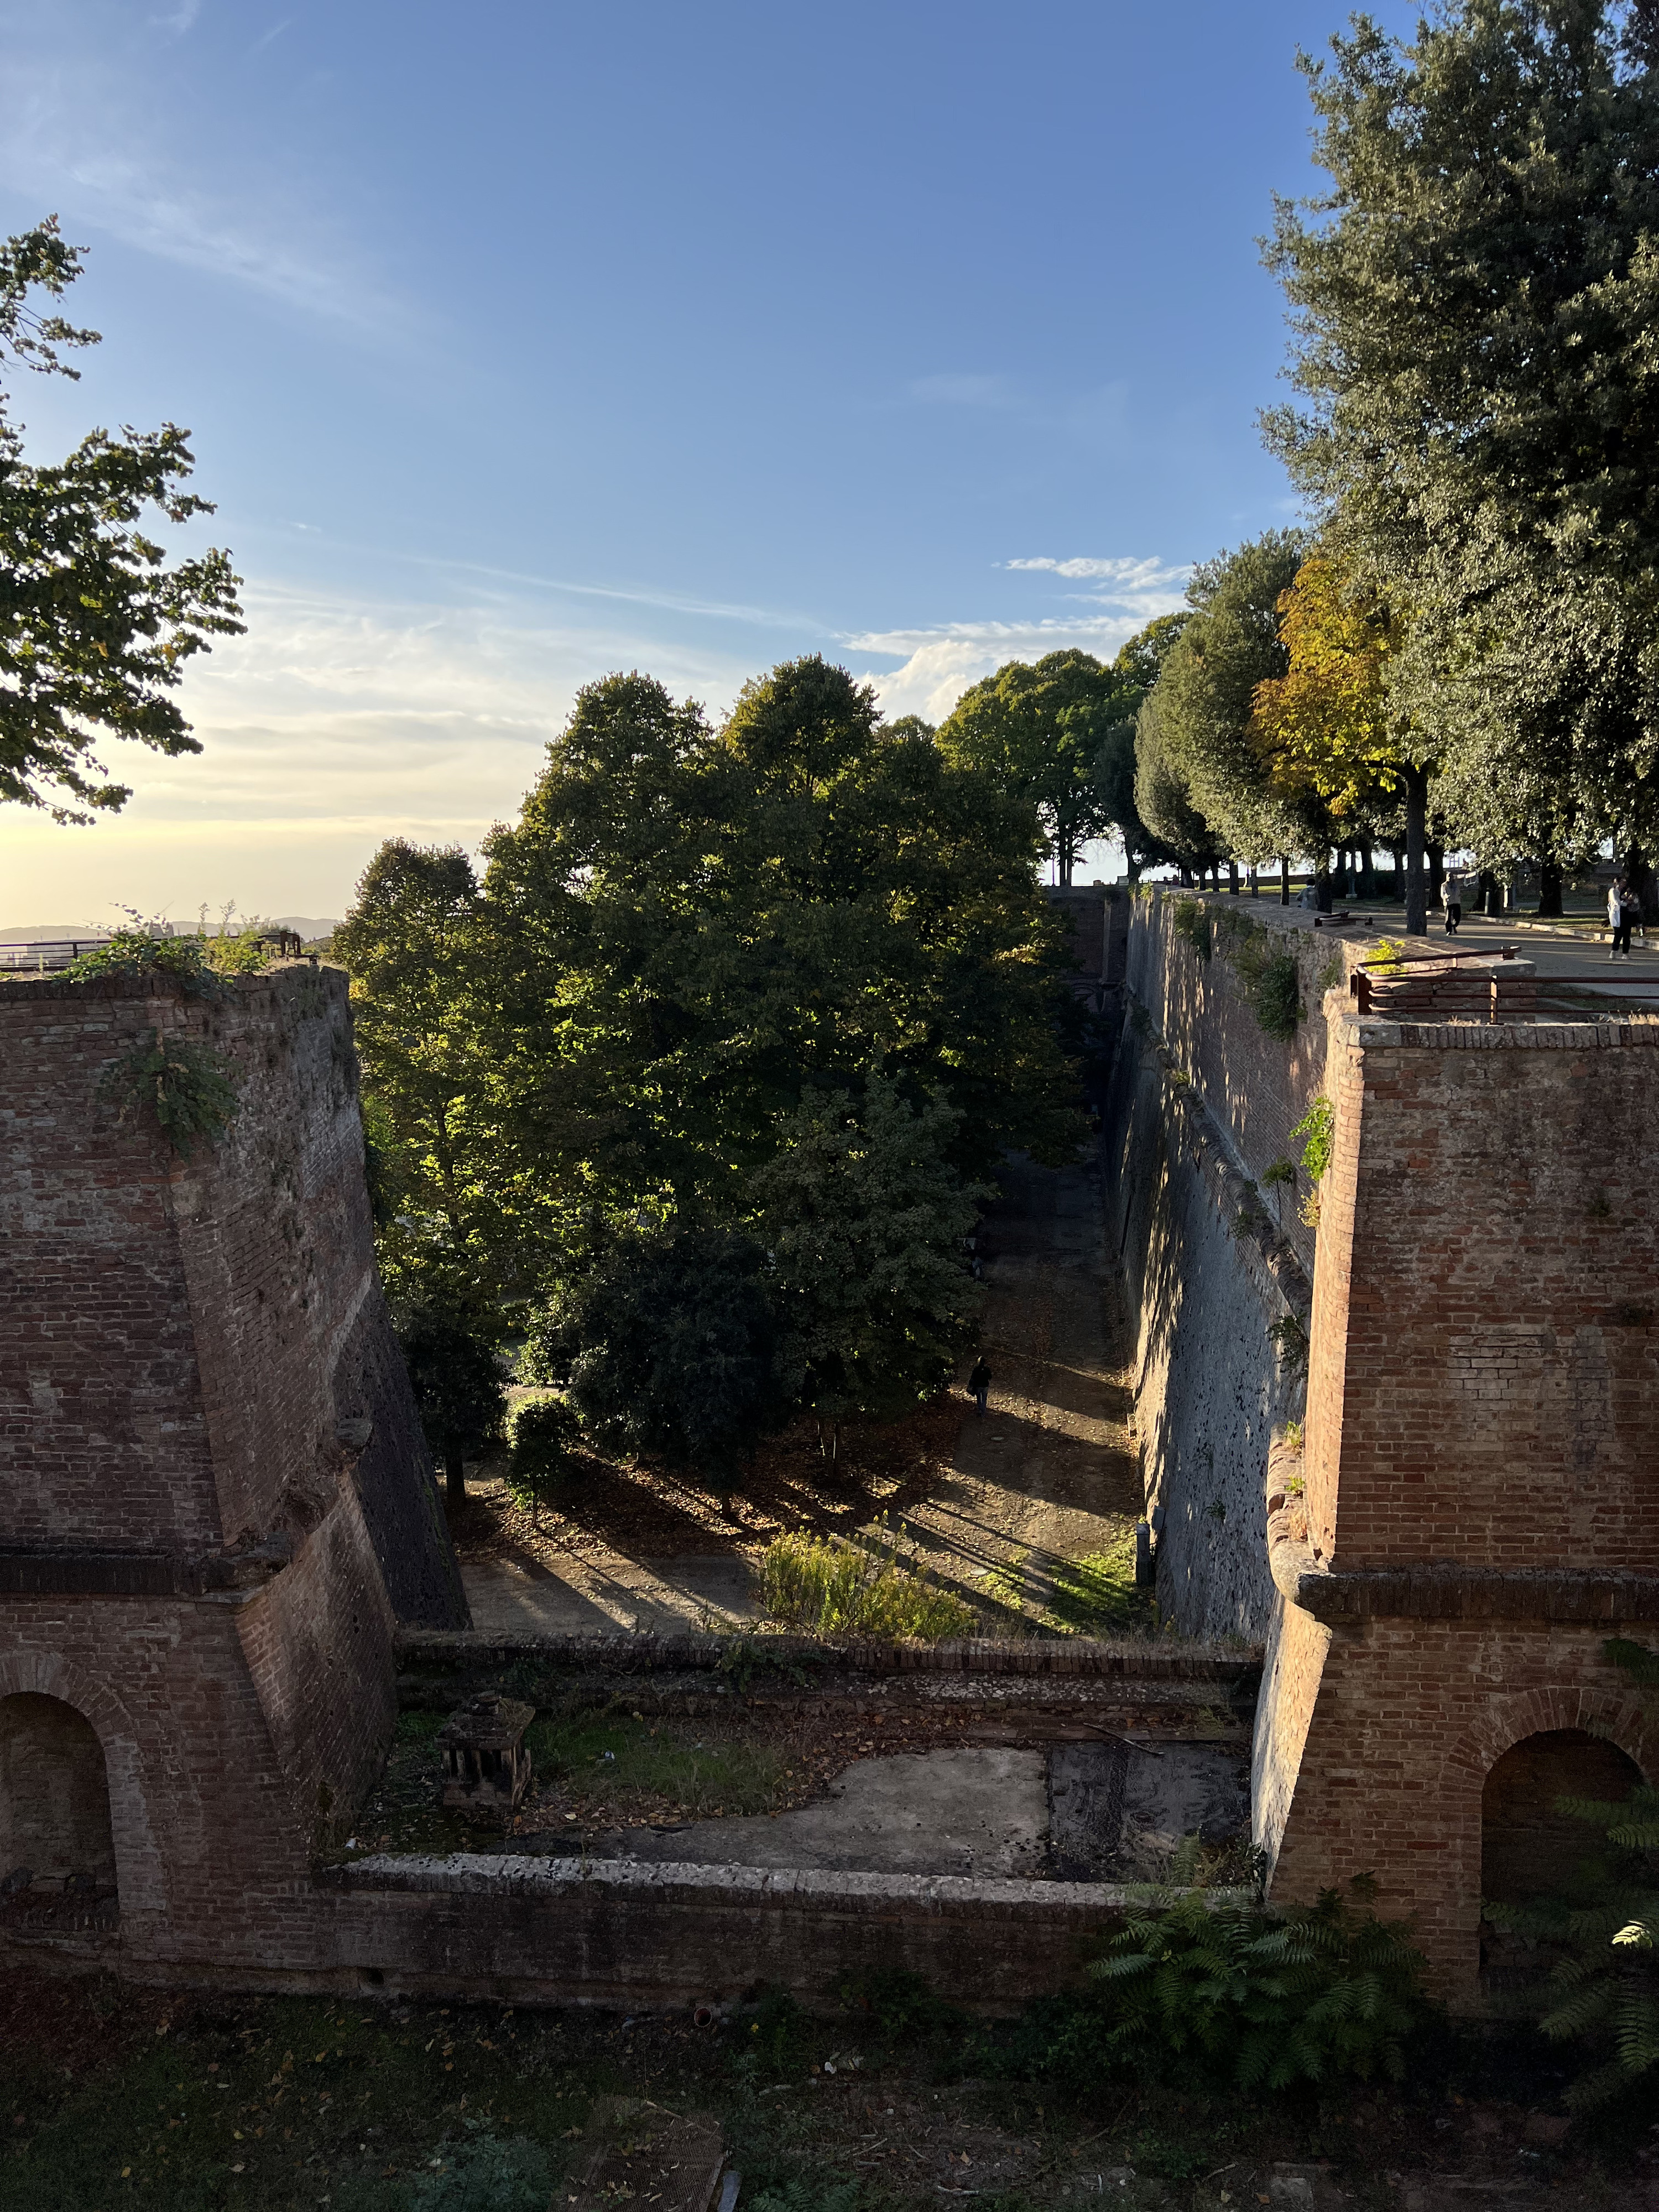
point(997, 1511)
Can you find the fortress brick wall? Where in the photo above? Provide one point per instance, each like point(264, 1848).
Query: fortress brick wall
point(215, 1505)
point(1473, 1511)
point(1201, 1102)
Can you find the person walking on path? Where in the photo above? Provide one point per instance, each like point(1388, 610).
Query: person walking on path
point(1452, 892)
point(1621, 918)
point(979, 1382)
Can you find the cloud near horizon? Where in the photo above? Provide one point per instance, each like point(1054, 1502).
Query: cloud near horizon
point(940, 663)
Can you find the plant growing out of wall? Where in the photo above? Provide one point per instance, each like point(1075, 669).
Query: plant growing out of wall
point(187, 1090)
point(1279, 1171)
point(1315, 1132)
point(1290, 1341)
point(1192, 925)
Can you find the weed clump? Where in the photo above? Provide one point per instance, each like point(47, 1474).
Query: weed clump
point(828, 1586)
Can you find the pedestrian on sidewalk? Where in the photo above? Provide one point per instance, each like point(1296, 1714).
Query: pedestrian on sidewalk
point(1452, 892)
point(979, 1382)
point(1622, 911)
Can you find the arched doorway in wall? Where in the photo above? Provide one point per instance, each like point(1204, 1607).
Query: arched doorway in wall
point(1529, 1848)
point(54, 1804)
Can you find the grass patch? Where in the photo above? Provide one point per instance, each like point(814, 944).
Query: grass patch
point(830, 1587)
point(1098, 1595)
point(611, 1761)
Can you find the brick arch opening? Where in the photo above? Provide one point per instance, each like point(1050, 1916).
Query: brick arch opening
point(54, 1798)
point(1529, 1847)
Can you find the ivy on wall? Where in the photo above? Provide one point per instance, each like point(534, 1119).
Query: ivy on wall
point(186, 1090)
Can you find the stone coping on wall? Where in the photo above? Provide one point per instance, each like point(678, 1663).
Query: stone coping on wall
point(477, 1874)
point(1362, 1029)
point(773, 1657)
point(159, 984)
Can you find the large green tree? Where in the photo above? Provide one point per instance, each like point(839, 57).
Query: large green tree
point(1039, 729)
point(1473, 299)
point(696, 928)
point(95, 626)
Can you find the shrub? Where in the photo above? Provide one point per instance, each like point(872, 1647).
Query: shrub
point(1192, 924)
point(486, 2175)
point(1315, 1132)
point(1271, 980)
point(186, 1089)
point(828, 1586)
point(1281, 1171)
point(543, 1436)
point(1323, 1991)
point(134, 954)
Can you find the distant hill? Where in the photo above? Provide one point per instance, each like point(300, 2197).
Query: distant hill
point(307, 925)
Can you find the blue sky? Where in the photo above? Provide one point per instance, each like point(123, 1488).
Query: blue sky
point(524, 342)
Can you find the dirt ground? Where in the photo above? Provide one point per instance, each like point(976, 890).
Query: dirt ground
point(112, 2095)
point(1020, 1512)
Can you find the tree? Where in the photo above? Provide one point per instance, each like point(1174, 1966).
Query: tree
point(456, 1376)
point(695, 929)
point(1328, 726)
point(95, 629)
point(1198, 721)
point(1473, 301)
point(414, 947)
point(1039, 730)
point(669, 1344)
point(866, 1222)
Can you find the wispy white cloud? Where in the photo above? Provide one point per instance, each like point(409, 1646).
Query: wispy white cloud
point(327, 728)
point(179, 20)
point(939, 662)
point(87, 137)
point(1130, 574)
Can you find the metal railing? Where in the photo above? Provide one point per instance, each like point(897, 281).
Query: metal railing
point(46, 955)
point(1451, 986)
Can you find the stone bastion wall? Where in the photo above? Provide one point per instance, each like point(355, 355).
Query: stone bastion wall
point(1216, 1262)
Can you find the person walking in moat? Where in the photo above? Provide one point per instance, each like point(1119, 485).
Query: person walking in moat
point(1622, 914)
point(979, 1382)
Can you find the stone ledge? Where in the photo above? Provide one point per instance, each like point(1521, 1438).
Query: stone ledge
point(1443, 1591)
point(26, 1573)
point(769, 1657)
point(475, 1874)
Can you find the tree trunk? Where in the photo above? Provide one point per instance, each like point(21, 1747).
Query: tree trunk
point(1232, 878)
point(1322, 883)
point(1284, 882)
point(1549, 891)
point(1437, 872)
point(1417, 814)
point(1399, 852)
point(454, 1478)
point(1640, 878)
point(1367, 874)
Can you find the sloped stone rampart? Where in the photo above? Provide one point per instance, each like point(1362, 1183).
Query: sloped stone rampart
point(1214, 1260)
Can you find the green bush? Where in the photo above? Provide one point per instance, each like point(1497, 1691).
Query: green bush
point(1272, 980)
point(830, 1587)
point(1322, 1992)
point(186, 1089)
point(134, 954)
point(543, 1436)
point(486, 2175)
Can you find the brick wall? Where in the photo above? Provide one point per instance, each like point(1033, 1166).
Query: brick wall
point(198, 1537)
point(1479, 1507)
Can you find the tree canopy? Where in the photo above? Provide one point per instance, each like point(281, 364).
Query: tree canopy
point(95, 626)
point(1473, 298)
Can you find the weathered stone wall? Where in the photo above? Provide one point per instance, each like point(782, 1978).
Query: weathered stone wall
point(1202, 1103)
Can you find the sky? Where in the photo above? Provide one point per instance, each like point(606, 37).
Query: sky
point(521, 344)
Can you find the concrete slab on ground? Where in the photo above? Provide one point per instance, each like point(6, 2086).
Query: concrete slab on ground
point(962, 1812)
